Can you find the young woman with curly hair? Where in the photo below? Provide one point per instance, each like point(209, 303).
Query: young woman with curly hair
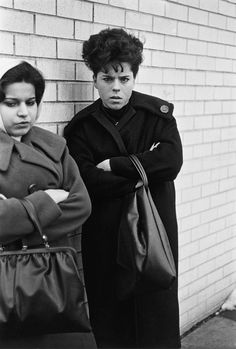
point(147, 128)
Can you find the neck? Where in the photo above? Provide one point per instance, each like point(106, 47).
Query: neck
point(116, 114)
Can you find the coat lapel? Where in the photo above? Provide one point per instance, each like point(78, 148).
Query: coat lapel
point(111, 129)
point(6, 148)
point(114, 130)
point(30, 155)
point(126, 118)
point(38, 147)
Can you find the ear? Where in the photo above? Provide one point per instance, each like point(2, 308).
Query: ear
point(95, 81)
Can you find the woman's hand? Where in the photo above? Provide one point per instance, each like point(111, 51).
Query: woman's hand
point(104, 165)
point(57, 195)
point(139, 184)
point(154, 146)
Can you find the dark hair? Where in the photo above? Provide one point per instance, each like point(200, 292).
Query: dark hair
point(112, 46)
point(23, 72)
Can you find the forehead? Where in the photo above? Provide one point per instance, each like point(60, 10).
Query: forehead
point(117, 68)
point(20, 90)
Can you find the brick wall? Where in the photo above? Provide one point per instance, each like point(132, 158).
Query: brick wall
point(190, 60)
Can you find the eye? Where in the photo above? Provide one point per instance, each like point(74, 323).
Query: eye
point(30, 103)
point(124, 79)
point(11, 104)
point(107, 79)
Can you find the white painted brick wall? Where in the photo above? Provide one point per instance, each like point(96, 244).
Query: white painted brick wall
point(6, 41)
point(190, 60)
point(109, 15)
point(129, 4)
point(80, 10)
point(54, 26)
point(36, 46)
point(16, 21)
point(37, 6)
point(136, 20)
point(57, 69)
point(69, 49)
point(75, 92)
point(198, 16)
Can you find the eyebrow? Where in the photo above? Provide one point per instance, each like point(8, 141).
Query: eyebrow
point(108, 74)
point(16, 99)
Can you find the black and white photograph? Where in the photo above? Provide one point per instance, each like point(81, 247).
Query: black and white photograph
point(117, 174)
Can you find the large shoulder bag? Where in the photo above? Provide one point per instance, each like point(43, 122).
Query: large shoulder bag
point(40, 289)
point(144, 257)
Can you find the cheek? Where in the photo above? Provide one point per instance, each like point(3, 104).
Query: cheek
point(103, 90)
point(7, 115)
point(129, 90)
point(2, 109)
point(34, 112)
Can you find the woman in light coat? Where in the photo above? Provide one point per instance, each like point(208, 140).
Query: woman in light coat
point(35, 164)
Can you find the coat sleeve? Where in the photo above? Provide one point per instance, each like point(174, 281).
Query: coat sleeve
point(100, 184)
point(57, 220)
point(161, 164)
point(74, 211)
point(14, 220)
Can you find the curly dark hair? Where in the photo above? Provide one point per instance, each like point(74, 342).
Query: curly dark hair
point(23, 72)
point(112, 46)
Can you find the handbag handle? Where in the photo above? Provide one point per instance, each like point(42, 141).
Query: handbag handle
point(139, 167)
point(30, 209)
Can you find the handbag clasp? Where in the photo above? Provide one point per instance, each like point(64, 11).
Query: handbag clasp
point(45, 241)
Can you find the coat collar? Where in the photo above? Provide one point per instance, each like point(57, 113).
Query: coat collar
point(114, 130)
point(138, 101)
point(7, 144)
point(52, 145)
point(152, 104)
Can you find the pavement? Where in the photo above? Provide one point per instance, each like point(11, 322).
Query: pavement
point(216, 332)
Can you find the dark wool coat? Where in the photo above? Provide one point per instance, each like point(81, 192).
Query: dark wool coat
point(149, 320)
point(43, 159)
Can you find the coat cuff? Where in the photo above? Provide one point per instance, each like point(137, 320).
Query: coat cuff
point(122, 166)
point(47, 210)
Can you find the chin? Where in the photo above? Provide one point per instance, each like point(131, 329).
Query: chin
point(116, 107)
point(20, 134)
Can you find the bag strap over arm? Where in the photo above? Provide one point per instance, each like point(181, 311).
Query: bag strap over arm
point(139, 167)
point(30, 209)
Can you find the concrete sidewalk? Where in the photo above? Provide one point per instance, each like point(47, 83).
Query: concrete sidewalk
point(218, 332)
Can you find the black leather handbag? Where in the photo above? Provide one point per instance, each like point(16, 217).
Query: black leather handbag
point(40, 289)
point(144, 254)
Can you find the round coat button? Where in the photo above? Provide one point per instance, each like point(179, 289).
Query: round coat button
point(164, 109)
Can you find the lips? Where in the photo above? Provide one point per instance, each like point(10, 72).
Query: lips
point(115, 97)
point(22, 124)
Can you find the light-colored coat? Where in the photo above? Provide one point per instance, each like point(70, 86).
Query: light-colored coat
point(41, 158)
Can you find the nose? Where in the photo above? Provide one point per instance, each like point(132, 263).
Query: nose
point(22, 110)
point(116, 85)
